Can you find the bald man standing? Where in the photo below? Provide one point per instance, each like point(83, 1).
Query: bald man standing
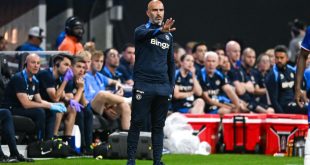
point(154, 71)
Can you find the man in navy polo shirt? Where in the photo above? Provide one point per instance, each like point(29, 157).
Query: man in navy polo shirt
point(154, 73)
point(127, 62)
point(23, 98)
point(280, 84)
point(219, 96)
point(245, 83)
point(75, 90)
point(52, 84)
point(111, 63)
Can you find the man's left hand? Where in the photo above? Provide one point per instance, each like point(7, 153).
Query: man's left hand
point(167, 27)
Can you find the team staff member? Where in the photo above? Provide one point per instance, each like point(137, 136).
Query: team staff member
point(186, 88)
point(75, 90)
point(23, 98)
point(111, 63)
point(153, 79)
point(52, 83)
point(216, 88)
point(245, 83)
point(280, 84)
point(127, 62)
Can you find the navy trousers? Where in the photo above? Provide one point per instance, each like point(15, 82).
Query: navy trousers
point(8, 131)
point(144, 104)
point(44, 121)
point(84, 120)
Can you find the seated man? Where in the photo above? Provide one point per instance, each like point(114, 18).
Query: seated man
point(23, 98)
point(35, 38)
point(110, 70)
point(215, 88)
point(75, 90)
point(111, 63)
point(245, 80)
point(8, 134)
point(103, 102)
point(52, 84)
point(126, 63)
point(280, 84)
point(186, 88)
point(263, 67)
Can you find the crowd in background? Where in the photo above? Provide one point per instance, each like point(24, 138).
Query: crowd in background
point(220, 79)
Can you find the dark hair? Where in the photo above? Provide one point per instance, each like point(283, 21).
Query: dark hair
point(218, 46)
point(297, 25)
point(183, 57)
point(1, 37)
point(72, 22)
point(77, 59)
point(60, 57)
point(280, 48)
point(127, 45)
point(176, 47)
point(106, 52)
point(196, 46)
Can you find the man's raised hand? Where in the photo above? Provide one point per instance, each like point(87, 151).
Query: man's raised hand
point(167, 27)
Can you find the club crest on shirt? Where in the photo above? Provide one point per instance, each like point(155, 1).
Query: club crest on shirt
point(217, 82)
point(292, 75)
point(167, 37)
point(74, 91)
point(30, 97)
point(33, 88)
point(191, 81)
point(281, 76)
point(138, 96)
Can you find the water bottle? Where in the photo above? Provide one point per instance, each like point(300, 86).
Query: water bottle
point(75, 142)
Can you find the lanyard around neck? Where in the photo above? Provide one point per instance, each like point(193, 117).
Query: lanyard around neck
point(25, 77)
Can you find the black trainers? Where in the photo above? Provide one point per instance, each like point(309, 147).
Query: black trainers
point(21, 158)
point(88, 152)
point(6, 159)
